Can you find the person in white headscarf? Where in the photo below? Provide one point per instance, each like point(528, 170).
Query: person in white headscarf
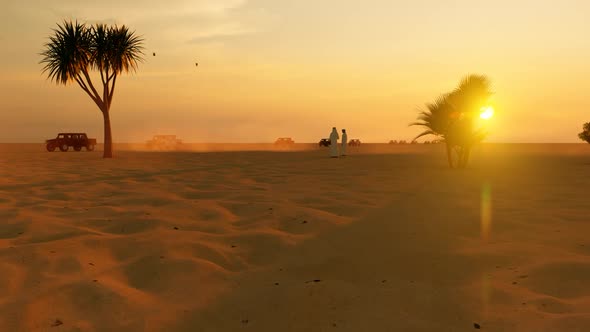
point(344, 143)
point(334, 143)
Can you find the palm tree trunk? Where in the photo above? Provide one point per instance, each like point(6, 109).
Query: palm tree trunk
point(450, 155)
point(467, 154)
point(108, 139)
point(464, 159)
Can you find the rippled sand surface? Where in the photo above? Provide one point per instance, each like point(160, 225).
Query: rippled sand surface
point(260, 238)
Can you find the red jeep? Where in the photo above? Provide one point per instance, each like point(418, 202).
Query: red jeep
point(63, 141)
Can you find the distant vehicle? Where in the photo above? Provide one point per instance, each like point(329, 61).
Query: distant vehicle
point(63, 141)
point(164, 142)
point(393, 142)
point(284, 141)
point(325, 142)
point(414, 142)
point(354, 142)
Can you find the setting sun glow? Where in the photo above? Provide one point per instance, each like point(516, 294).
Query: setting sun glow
point(362, 68)
point(487, 113)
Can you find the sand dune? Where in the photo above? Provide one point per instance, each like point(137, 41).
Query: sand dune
point(387, 239)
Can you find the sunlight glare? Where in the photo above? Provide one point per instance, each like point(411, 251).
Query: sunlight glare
point(487, 112)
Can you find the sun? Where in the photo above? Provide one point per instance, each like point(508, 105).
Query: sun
point(487, 112)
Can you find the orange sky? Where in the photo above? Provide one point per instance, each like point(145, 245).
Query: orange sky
point(271, 68)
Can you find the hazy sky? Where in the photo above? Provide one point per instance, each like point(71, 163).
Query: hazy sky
point(270, 68)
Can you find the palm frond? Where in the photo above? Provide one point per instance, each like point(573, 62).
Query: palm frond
point(115, 49)
point(473, 92)
point(424, 133)
point(100, 47)
point(423, 124)
point(127, 49)
point(67, 52)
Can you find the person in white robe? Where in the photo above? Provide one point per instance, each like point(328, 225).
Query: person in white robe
point(344, 143)
point(334, 143)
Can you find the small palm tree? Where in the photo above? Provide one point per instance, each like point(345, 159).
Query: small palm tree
point(76, 49)
point(437, 118)
point(585, 134)
point(452, 117)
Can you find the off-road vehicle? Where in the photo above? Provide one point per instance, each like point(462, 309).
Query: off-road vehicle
point(63, 141)
point(354, 142)
point(284, 141)
point(164, 142)
point(325, 142)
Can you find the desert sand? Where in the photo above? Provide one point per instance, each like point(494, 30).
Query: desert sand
point(251, 239)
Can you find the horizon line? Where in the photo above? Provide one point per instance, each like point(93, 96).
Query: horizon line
point(272, 143)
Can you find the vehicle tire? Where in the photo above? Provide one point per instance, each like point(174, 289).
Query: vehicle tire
point(50, 147)
point(63, 148)
point(77, 148)
point(90, 147)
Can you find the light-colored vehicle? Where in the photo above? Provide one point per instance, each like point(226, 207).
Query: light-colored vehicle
point(284, 141)
point(354, 142)
point(164, 142)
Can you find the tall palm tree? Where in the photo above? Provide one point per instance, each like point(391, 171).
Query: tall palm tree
point(452, 117)
point(76, 49)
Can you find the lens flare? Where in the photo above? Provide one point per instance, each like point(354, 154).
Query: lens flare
point(486, 211)
point(486, 292)
point(487, 112)
point(486, 223)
